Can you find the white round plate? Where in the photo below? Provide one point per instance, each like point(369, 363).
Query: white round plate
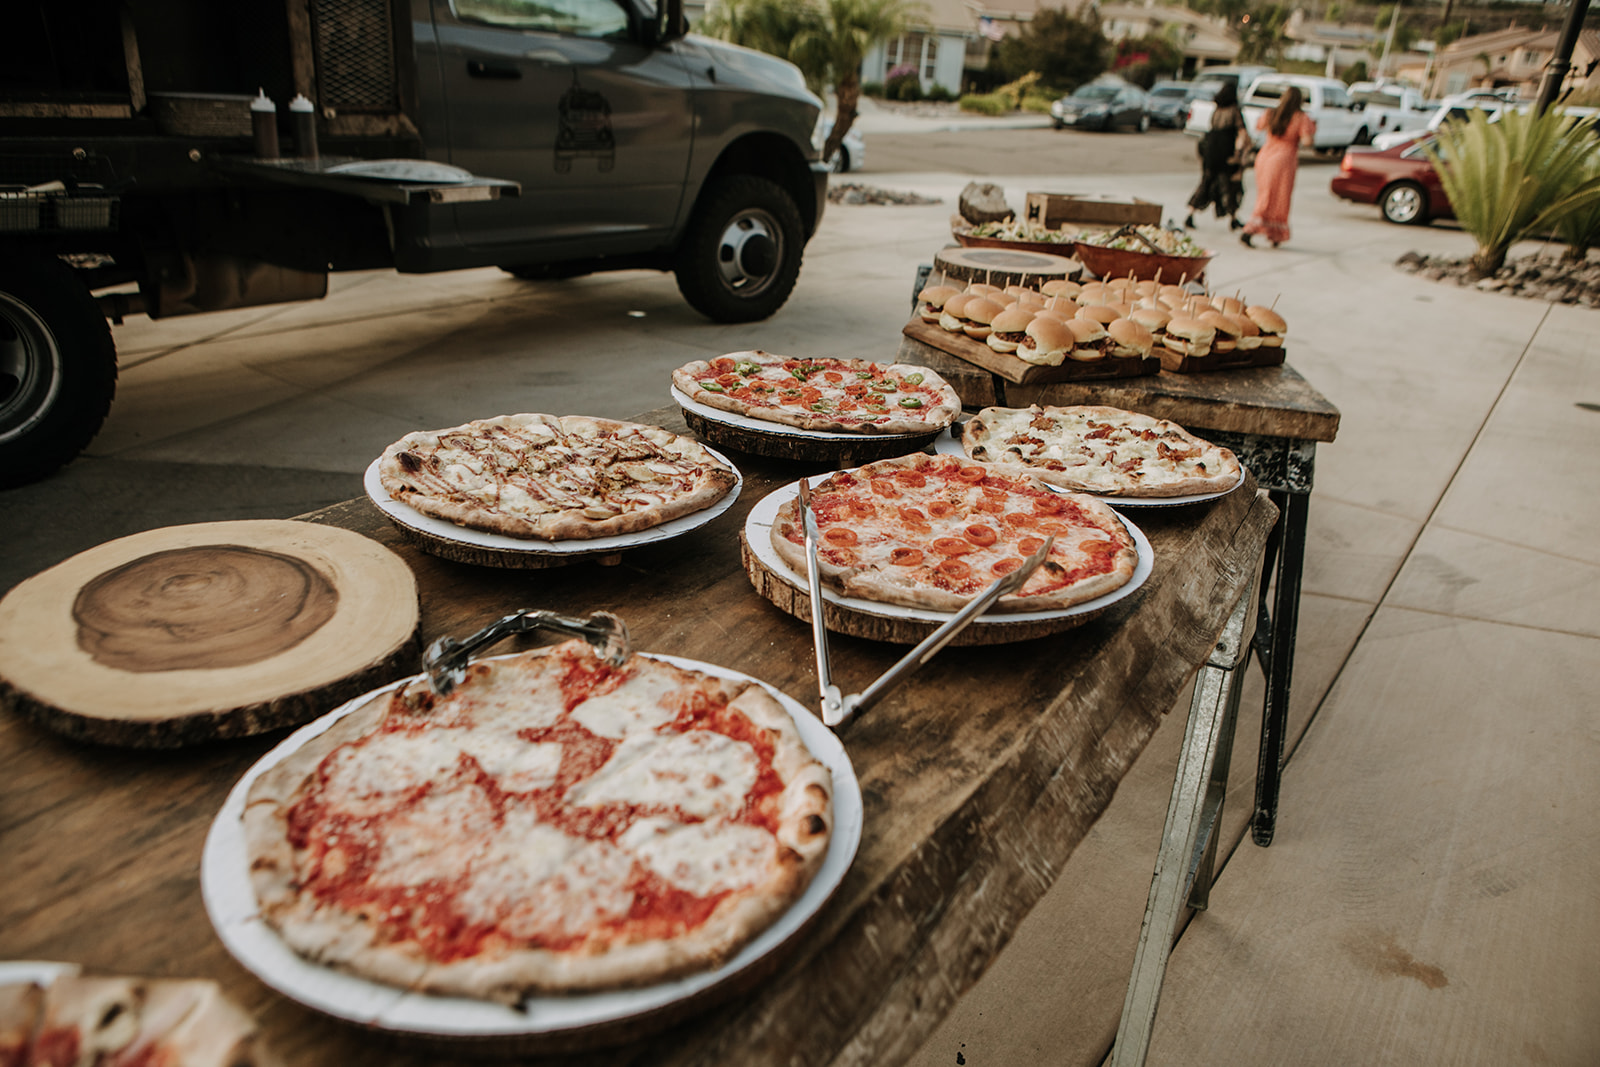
point(758, 534)
point(443, 530)
point(947, 445)
point(745, 422)
point(231, 905)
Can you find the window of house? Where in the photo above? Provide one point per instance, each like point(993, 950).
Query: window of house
point(930, 57)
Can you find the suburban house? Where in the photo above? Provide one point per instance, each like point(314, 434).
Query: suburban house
point(940, 51)
point(1204, 40)
point(1511, 59)
point(1332, 44)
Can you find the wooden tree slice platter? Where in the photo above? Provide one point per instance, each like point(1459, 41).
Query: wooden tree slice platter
point(835, 449)
point(1021, 371)
point(1214, 361)
point(191, 633)
point(508, 559)
point(1003, 266)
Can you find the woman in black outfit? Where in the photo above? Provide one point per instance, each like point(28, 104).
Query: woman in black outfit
point(1222, 162)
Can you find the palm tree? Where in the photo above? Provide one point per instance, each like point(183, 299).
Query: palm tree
point(836, 46)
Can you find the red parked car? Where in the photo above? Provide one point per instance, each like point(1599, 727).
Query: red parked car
point(1400, 180)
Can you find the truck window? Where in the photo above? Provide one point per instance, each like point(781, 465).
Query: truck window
point(1333, 96)
point(580, 18)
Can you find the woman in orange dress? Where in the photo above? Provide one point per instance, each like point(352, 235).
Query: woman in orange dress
point(1287, 128)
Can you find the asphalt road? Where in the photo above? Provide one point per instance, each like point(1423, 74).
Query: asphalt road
point(1029, 151)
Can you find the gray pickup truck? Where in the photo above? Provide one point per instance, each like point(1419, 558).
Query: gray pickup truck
point(548, 137)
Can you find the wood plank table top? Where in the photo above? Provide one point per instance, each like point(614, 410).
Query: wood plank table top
point(980, 776)
point(1266, 401)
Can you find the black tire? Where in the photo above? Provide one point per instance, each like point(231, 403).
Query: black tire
point(1363, 136)
point(841, 161)
point(1404, 204)
point(545, 272)
point(58, 368)
point(740, 256)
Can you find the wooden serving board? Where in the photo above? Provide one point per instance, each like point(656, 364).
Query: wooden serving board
point(189, 633)
point(843, 619)
point(1021, 371)
point(842, 452)
point(1004, 266)
point(506, 559)
point(1215, 361)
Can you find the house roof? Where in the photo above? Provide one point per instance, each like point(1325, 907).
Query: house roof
point(1498, 41)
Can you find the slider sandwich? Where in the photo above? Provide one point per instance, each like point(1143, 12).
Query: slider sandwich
point(1060, 287)
point(1047, 341)
point(979, 314)
point(1187, 336)
point(1100, 313)
point(1008, 330)
point(1227, 331)
point(1271, 325)
point(1249, 333)
point(930, 302)
point(1129, 340)
point(1090, 340)
point(952, 316)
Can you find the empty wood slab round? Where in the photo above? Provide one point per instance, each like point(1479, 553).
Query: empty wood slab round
point(190, 633)
point(838, 450)
point(1002, 266)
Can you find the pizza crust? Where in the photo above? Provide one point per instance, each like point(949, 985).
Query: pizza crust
point(1050, 443)
point(553, 478)
point(869, 577)
point(929, 419)
point(501, 968)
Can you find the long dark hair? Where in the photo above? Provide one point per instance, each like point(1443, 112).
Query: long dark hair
point(1227, 96)
point(1285, 112)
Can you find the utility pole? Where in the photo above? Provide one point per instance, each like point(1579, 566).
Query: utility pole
point(1555, 71)
point(1388, 42)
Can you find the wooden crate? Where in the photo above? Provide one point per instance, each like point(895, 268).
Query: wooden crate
point(1054, 210)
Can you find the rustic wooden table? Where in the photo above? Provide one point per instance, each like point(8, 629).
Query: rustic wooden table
point(980, 777)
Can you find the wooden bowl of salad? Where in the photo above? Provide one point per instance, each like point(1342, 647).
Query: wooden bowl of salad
point(1145, 253)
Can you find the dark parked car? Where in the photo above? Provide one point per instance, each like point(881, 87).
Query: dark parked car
point(1400, 180)
point(1102, 106)
point(1167, 104)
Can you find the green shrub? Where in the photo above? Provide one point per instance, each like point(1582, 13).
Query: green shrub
point(1038, 101)
point(904, 89)
point(940, 94)
point(987, 103)
point(874, 89)
point(1515, 177)
point(1580, 227)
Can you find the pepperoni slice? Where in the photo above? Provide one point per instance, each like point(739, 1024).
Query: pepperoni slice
point(884, 487)
point(905, 557)
point(810, 394)
point(841, 557)
point(1049, 505)
point(982, 536)
point(955, 569)
point(848, 405)
point(950, 546)
point(911, 478)
point(840, 535)
point(913, 517)
point(1099, 548)
point(972, 475)
point(1052, 526)
point(1017, 520)
point(728, 379)
point(722, 365)
point(941, 509)
point(791, 400)
point(1029, 545)
point(833, 376)
point(991, 507)
point(1006, 566)
point(862, 509)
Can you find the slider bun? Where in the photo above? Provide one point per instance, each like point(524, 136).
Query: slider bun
point(937, 294)
point(1031, 299)
point(1013, 319)
point(983, 288)
point(1221, 323)
point(1059, 314)
point(1269, 321)
point(1100, 313)
point(1086, 331)
point(1173, 294)
point(1190, 329)
point(1229, 305)
point(1059, 287)
point(980, 313)
point(1093, 293)
point(1152, 319)
point(1130, 338)
point(954, 308)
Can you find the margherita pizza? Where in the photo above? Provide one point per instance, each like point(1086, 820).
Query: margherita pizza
point(122, 1022)
point(935, 531)
point(554, 478)
point(553, 825)
point(1101, 450)
point(834, 395)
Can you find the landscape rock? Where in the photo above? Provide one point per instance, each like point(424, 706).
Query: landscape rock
point(1548, 276)
point(851, 193)
point(983, 202)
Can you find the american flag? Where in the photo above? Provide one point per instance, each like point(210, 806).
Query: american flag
point(991, 29)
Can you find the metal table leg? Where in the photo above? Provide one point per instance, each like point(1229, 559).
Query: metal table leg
point(1274, 642)
point(1186, 860)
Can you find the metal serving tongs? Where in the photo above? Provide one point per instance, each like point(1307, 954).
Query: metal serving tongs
point(836, 709)
point(445, 661)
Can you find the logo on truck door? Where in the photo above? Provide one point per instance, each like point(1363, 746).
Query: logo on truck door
point(584, 129)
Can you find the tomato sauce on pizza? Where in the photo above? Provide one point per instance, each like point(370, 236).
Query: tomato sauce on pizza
point(935, 531)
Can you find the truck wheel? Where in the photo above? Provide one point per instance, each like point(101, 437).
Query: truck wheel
point(58, 368)
point(740, 257)
point(1363, 136)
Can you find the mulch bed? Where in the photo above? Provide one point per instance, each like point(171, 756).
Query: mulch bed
point(851, 193)
point(1542, 276)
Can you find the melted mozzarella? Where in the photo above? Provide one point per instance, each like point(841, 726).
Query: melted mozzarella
point(535, 881)
point(364, 778)
point(649, 770)
point(634, 707)
point(434, 838)
point(702, 858)
point(515, 764)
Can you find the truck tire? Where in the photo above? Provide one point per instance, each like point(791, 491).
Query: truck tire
point(740, 257)
point(58, 368)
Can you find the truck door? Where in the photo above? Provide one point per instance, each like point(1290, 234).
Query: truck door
point(560, 96)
